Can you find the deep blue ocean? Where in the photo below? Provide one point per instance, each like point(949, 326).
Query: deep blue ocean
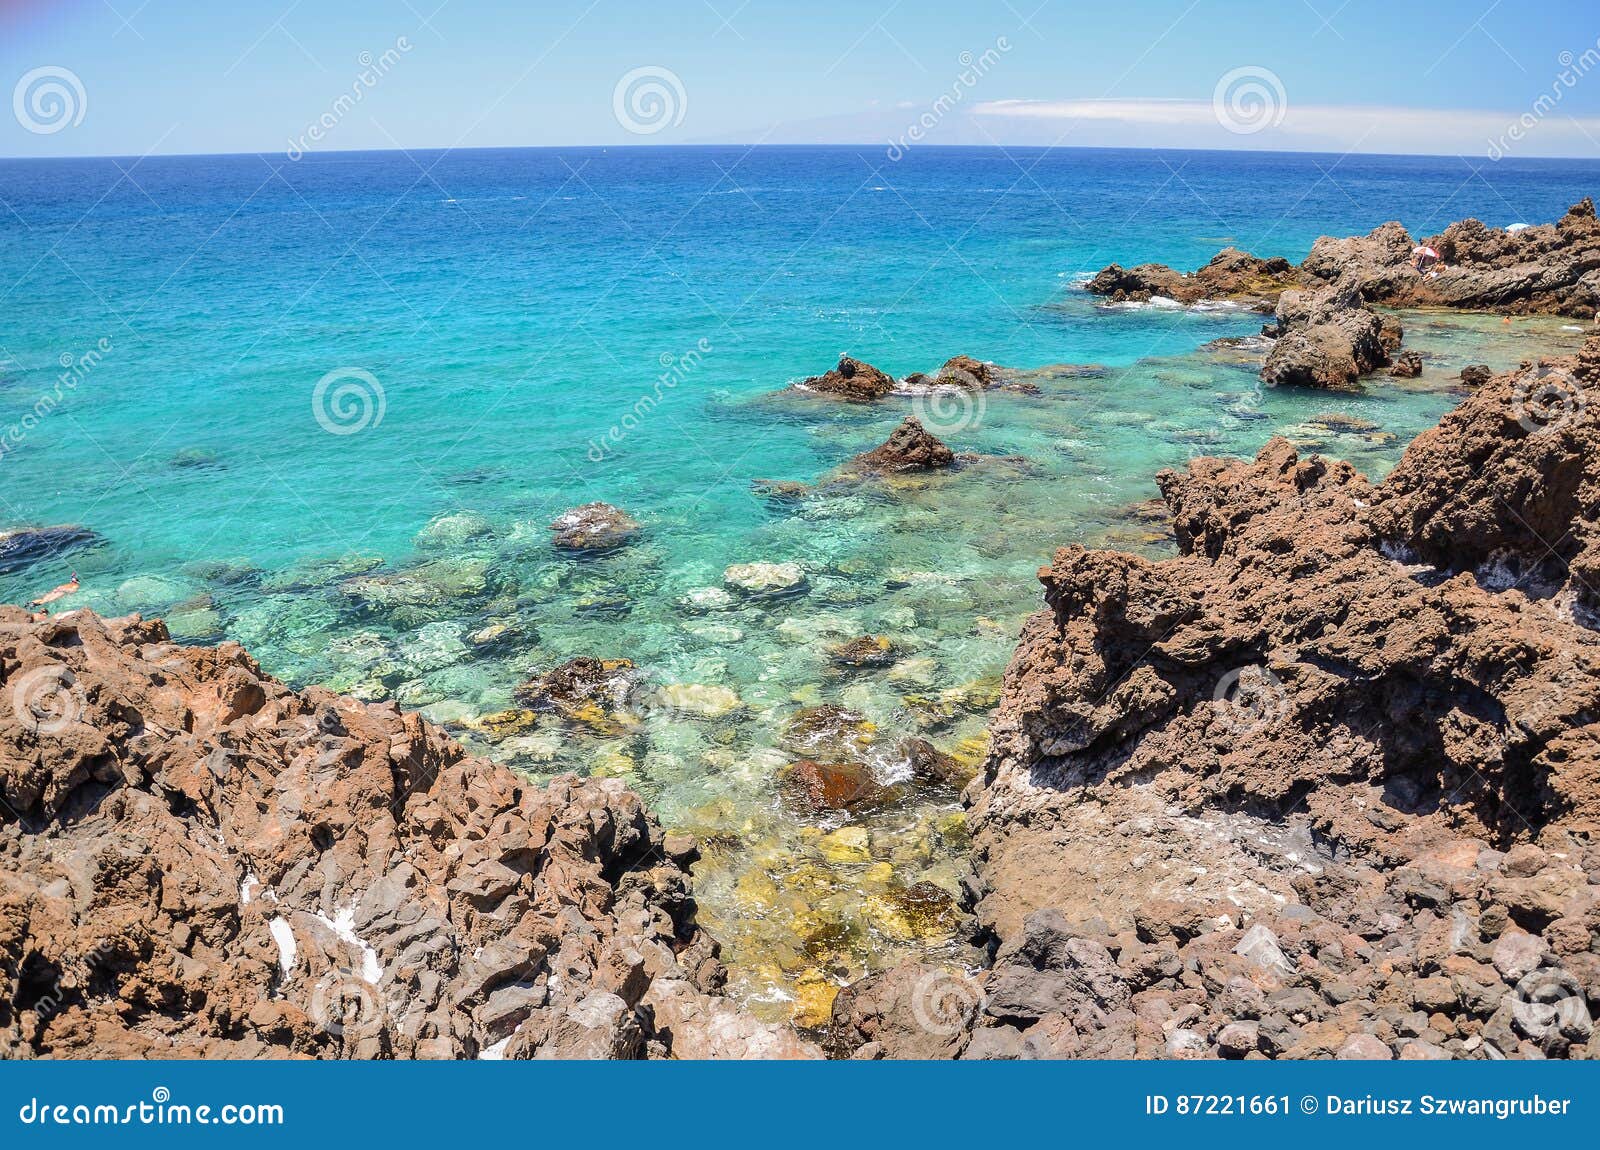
point(327, 408)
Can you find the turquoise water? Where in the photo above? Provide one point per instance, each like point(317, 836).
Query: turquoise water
point(498, 314)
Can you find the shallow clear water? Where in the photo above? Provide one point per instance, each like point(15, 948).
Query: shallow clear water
point(513, 308)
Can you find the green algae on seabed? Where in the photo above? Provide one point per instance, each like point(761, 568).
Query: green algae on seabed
point(942, 567)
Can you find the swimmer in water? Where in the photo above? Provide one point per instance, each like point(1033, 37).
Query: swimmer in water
point(50, 596)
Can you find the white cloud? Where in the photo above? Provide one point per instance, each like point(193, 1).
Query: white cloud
point(1303, 127)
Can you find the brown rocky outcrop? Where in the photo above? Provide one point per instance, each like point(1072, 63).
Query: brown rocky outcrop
point(1545, 269)
point(852, 380)
point(593, 527)
point(910, 447)
point(1326, 339)
point(196, 861)
point(1293, 793)
point(1230, 275)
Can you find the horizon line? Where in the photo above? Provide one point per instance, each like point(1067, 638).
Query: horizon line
point(706, 145)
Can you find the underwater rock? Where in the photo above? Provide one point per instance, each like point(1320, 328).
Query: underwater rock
point(867, 651)
point(828, 731)
point(932, 766)
point(594, 527)
point(453, 531)
point(500, 636)
point(698, 700)
point(813, 787)
point(319, 571)
point(439, 583)
point(22, 547)
point(846, 846)
point(922, 912)
point(766, 580)
point(195, 621)
point(707, 599)
point(147, 593)
point(852, 380)
point(594, 692)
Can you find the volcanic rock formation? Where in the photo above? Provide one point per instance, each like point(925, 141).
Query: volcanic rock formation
point(196, 861)
point(1326, 784)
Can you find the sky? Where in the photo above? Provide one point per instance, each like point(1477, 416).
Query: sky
point(141, 77)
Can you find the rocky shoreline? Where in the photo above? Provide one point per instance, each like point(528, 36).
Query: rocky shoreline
point(1326, 784)
point(196, 861)
point(1322, 785)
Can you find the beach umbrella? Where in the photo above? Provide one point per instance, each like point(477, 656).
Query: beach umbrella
point(1424, 250)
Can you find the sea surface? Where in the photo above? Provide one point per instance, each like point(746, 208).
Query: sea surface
point(328, 409)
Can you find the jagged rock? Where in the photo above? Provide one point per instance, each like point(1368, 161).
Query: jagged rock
point(852, 380)
point(966, 372)
point(913, 1010)
point(1230, 275)
point(1544, 269)
point(1406, 365)
point(196, 861)
point(1476, 374)
point(1508, 479)
point(910, 447)
point(594, 527)
point(1314, 751)
point(1325, 339)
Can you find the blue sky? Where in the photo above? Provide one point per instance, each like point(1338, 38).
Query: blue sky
point(132, 77)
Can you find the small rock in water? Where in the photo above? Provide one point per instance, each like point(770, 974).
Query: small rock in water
point(1407, 365)
point(846, 845)
point(454, 530)
point(594, 527)
point(814, 787)
point(704, 599)
point(867, 651)
point(1476, 374)
point(852, 380)
point(698, 700)
point(765, 580)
